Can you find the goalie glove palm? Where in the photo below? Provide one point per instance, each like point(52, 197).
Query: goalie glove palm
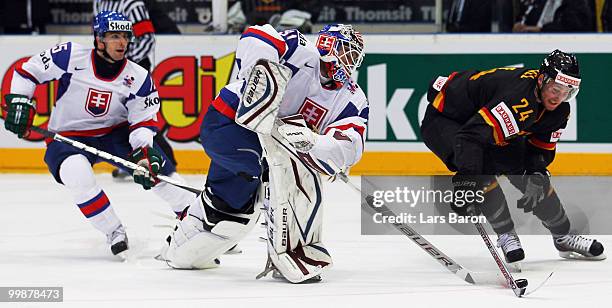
point(20, 112)
point(150, 159)
point(300, 137)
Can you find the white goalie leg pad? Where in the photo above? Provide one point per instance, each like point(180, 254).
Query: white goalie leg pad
point(195, 243)
point(262, 96)
point(293, 214)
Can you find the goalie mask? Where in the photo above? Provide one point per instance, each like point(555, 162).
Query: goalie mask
point(561, 75)
point(341, 50)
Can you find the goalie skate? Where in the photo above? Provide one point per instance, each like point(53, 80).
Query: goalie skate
point(196, 242)
point(276, 274)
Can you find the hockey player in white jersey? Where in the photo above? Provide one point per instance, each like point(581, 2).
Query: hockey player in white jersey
point(104, 101)
point(292, 114)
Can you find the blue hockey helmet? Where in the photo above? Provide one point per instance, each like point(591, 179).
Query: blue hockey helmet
point(111, 21)
point(341, 49)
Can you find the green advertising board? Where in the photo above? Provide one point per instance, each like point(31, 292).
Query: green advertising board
point(401, 80)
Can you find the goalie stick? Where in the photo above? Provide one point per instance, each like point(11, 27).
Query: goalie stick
point(110, 157)
point(414, 236)
point(427, 246)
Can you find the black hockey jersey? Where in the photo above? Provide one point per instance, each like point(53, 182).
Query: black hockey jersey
point(497, 106)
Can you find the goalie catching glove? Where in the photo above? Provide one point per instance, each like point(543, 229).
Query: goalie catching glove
point(300, 137)
point(20, 112)
point(150, 159)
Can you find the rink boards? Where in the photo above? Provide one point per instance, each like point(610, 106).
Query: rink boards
point(190, 70)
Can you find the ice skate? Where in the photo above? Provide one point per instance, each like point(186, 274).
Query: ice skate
point(118, 241)
point(573, 246)
point(511, 246)
point(276, 274)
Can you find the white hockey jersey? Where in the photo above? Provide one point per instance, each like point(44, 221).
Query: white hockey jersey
point(340, 115)
point(87, 104)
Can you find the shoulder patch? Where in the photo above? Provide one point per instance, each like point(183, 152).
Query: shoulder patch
point(507, 122)
point(555, 136)
point(439, 83)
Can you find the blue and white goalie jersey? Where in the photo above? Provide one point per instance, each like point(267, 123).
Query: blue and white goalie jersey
point(87, 104)
point(339, 115)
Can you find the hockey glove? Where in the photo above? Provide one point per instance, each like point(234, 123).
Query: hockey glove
point(536, 187)
point(19, 115)
point(152, 160)
point(300, 137)
point(468, 194)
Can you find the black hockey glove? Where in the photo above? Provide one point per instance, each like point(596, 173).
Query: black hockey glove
point(468, 194)
point(152, 160)
point(20, 112)
point(537, 185)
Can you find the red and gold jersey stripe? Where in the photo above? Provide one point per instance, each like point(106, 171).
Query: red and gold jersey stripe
point(438, 102)
point(550, 146)
point(498, 135)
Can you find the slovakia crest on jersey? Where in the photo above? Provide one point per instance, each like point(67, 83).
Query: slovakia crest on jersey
point(312, 112)
point(98, 102)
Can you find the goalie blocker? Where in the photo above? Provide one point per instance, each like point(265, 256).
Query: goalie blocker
point(262, 96)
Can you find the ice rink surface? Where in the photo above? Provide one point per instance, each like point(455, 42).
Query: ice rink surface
point(45, 241)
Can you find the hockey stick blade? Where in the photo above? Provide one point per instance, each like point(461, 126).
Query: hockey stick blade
point(110, 157)
point(540, 285)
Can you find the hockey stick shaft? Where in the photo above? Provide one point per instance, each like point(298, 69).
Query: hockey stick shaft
point(110, 157)
point(427, 246)
point(414, 236)
point(446, 261)
point(500, 263)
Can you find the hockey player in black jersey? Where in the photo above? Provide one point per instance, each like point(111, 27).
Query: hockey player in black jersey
point(506, 121)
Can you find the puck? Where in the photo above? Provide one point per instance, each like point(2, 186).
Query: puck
point(521, 283)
